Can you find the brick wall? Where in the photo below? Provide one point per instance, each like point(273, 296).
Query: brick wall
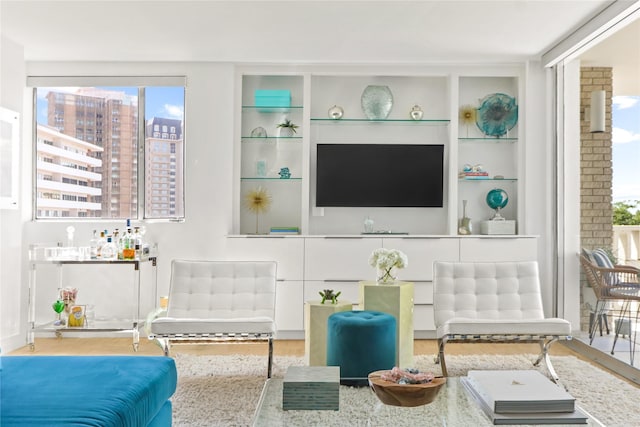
point(596, 228)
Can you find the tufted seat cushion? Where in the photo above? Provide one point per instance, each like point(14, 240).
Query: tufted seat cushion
point(467, 326)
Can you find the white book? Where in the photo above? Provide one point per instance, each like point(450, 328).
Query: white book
point(513, 391)
point(537, 418)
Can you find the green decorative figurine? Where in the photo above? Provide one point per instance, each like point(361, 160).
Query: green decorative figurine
point(328, 294)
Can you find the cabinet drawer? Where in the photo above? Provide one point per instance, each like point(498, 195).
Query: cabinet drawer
point(422, 252)
point(499, 249)
point(339, 259)
point(422, 293)
point(288, 252)
point(289, 306)
point(423, 317)
point(349, 290)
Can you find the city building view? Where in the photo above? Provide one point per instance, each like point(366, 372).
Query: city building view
point(88, 152)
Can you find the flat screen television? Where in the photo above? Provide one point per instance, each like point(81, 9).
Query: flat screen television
point(379, 175)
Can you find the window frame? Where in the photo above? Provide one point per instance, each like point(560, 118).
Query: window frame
point(141, 83)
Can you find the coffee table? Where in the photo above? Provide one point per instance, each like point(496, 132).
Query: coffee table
point(360, 407)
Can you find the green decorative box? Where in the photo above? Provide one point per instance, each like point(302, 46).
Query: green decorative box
point(268, 100)
point(311, 388)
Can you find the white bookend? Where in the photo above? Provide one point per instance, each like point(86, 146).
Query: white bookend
point(507, 392)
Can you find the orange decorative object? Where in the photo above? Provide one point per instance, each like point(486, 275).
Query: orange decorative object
point(407, 395)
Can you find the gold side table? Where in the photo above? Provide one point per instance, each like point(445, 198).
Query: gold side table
point(395, 299)
point(315, 329)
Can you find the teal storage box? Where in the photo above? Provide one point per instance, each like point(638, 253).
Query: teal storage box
point(270, 99)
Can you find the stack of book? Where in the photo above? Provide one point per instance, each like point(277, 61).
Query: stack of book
point(285, 230)
point(311, 388)
point(474, 175)
point(522, 397)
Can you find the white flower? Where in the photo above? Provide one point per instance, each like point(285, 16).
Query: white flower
point(388, 258)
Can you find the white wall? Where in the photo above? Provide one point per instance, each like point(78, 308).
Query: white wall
point(210, 115)
point(11, 298)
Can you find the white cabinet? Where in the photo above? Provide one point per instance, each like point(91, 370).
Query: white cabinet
point(289, 307)
point(287, 252)
point(339, 258)
point(492, 249)
point(421, 252)
point(310, 264)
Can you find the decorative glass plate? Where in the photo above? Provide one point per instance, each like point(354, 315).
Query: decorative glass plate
point(498, 114)
point(376, 102)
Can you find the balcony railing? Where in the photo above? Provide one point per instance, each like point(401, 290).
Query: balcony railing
point(626, 243)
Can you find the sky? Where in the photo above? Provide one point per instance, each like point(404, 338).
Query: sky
point(626, 148)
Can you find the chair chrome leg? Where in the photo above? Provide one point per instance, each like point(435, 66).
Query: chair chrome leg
point(270, 363)
point(440, 359)
point(544, 355)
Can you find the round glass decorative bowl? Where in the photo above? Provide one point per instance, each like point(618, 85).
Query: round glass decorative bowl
point(376, 102)
point(498, 114)
point(407, 395)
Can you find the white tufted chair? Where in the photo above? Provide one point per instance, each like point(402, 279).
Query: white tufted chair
point(493, 302)
point(219, 301)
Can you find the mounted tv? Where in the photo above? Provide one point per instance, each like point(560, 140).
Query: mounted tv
point(379, 175)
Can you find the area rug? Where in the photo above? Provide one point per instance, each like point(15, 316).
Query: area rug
point(224, 390)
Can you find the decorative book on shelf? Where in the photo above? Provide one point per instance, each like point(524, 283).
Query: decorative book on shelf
point(522, 397)
point(284, 230)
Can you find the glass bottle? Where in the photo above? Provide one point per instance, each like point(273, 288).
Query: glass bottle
point(109, 250)
point(128, 245)
point(93, 245)
point(117, 240)
point(137, 242)
point(102, 240)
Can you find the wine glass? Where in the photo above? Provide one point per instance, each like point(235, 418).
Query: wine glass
point(58, 307)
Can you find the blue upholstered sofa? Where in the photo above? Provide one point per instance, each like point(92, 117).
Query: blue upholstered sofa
point(105, 391)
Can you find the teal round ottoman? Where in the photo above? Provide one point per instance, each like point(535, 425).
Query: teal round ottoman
point(360, 342)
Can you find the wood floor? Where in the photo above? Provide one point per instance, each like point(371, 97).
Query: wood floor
point(118, 346)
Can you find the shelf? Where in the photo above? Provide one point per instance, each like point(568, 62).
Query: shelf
point(343, 120)
point(250, 178)
point(266, 109)
point(256, 139)
point(124, 325)
point(487, 179)
point(485, 139)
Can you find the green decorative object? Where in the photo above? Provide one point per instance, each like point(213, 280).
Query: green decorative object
point(58, 307)
point(497, 199)
point(328, 294)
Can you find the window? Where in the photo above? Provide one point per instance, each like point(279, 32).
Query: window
point(99, 148)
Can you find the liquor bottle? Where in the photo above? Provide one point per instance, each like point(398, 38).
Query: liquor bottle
point(93, 246)
point(137, 242)
point(128, 245)
point(102, 240)
point(117, 240)
point(109, 250)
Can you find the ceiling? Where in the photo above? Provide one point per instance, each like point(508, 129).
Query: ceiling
point(293, 31)
point(621, 51)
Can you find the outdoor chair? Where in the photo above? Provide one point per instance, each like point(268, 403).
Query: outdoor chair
point(612, 283)
point(493, 302)
point(213, 301)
